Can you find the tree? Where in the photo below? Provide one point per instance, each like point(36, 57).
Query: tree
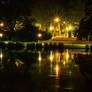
point(85, 27)
point(28, 33)
point(13, 10)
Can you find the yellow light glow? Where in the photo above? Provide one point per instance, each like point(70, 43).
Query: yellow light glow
point(51, 56)
point(1, 24)
point(64, 22)
point(39, 58)
point(57, 56)
point(51, 27)
point(57, 19)
point(39, 35)
point(1, 55)
point(70, 27)
point(64, 63)
point(67, 28)
point(57, 70)
point(1, 35)
point(67, 56)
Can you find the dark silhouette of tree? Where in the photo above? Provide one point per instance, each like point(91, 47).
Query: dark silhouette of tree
point(12, 10)
point(85, 27)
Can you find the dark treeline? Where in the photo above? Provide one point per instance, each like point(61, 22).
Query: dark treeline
point(85, 27)
point(14, 12)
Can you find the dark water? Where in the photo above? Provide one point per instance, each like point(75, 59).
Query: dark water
point(45, 71)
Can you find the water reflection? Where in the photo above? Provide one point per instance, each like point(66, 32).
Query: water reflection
point(18, 62)
point(54, 71)
point(1, 56)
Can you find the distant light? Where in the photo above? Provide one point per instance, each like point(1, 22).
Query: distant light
point(70, 27)
point(1, 35)
point(51, 56)
point(57, 19)
point(67, 56)
point(57, 68)
point(67, 28)
point(64, 22)
point(1, 55)
point(1, 24)
point(64, 63)
point(39, 58)
point(51, 27)
point(39, 35)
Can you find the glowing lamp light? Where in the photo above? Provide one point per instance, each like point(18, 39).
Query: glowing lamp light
point(64, 63)
point(70, 27)
point(39, 58)
point(67, 28)
point(51, 56)
point(39, 35)
point(1, 35)
point(51, 28)
point(1, 24)
point(57, 68)
point(64, 22)
point(67, 55)
point(57, 19)
point(1, 55)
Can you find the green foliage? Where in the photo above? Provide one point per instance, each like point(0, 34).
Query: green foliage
point(28, 33)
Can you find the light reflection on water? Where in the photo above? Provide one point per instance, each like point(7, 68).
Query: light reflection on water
point(49, 70)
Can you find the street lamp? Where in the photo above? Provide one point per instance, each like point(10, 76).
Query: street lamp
point(2, 24)
point(39, 35)
point(57, 19)
point(70, 27)
point(51, 28)
point(1, 35)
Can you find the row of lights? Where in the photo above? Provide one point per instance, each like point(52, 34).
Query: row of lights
point(57, 20)
point(1, 25)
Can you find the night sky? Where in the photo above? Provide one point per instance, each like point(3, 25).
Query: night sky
point(48, 9)
point(43, 10)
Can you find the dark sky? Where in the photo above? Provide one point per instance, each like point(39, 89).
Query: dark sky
point(44, 10)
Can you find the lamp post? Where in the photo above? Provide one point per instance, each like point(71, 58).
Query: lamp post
point(1, 35)
point(2, 24)
point(69, 29)
point(57, 20)
point(39, 36)
point(52, 29)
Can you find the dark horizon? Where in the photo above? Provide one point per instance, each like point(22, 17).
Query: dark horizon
point(43, 10)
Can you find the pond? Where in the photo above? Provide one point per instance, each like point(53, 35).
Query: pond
point(60, 70)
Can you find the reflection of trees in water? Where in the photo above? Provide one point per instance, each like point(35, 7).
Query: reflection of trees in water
point(14, 61)
point(85, 65)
